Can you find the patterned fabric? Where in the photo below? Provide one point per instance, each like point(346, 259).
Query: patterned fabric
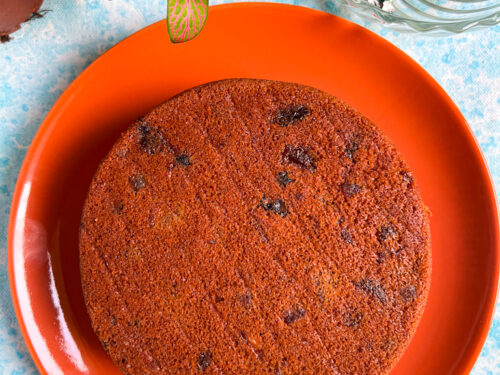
point(48, 53)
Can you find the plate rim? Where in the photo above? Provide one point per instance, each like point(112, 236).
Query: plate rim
point(47, 124)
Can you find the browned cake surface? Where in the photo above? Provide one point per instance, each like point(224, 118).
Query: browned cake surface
point(248, 227)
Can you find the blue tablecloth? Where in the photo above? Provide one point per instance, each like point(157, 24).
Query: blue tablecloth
point(48, 53)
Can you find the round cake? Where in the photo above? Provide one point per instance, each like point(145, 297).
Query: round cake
point(254, 227)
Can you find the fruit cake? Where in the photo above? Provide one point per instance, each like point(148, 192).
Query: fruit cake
point(254, 227)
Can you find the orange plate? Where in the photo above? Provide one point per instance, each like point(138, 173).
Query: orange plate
point(262, 41)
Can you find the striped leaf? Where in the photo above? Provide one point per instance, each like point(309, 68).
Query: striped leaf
point(185, 19)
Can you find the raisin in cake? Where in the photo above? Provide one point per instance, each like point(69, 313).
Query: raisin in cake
point(254, 227)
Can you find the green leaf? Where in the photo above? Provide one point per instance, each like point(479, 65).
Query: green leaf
point(185, 19)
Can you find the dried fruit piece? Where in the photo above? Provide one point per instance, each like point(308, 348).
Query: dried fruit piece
point(350, 149)
point(137, 182)
point(204, 360)
point(293, 315)
point(291, 115)
point(385, 254)
point(183, 159)
point(352, 318)
point(277, 206)
point(372, 288)
point(385, 232)
point(409, 293)
point(118, 206)
point(407, 177)
point(299, 156)
point(349, 190)
point(284, 179)
point(151, 140)
point(346, 236)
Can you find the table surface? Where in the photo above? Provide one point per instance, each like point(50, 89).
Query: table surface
point(47, 54)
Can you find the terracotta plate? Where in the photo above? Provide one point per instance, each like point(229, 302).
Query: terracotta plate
point(285, 43)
